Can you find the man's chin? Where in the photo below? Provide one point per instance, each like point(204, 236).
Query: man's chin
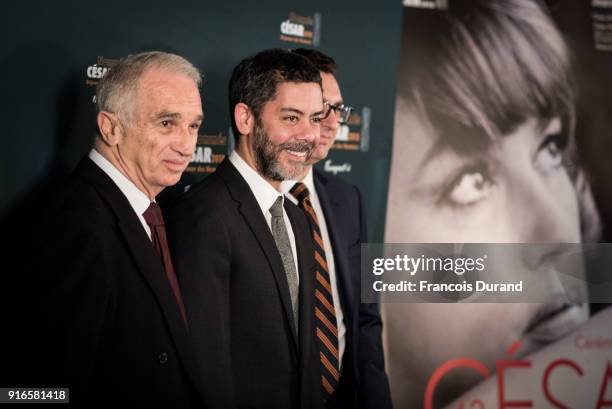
point(170, 180)
point(295, 171)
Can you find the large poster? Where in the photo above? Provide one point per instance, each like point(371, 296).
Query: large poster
point(502, 135)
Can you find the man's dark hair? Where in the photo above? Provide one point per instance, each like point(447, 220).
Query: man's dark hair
point(255, 79)
point(323, 62)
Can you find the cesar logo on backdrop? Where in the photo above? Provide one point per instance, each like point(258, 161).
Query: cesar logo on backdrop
point(209, 153)
point(305, 30)
point(96, 71)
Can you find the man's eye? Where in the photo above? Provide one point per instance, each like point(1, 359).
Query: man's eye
point(195, 126)
point(291, 119)
point(317, 120)
point(471, 186)
point(165, 123)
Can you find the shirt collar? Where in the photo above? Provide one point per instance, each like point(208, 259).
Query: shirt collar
point(264, 192)
point(308, 180)
point(138, 199)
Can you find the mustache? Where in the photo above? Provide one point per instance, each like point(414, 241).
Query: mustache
point(297, 146)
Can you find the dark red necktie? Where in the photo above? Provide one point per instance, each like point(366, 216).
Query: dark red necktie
point(155, 220)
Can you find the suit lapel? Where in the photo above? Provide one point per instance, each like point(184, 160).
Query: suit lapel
point(251, 212)
point(149, 264)
point(330, 208)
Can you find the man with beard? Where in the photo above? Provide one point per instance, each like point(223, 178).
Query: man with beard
point(244, 254)
point(338, 222)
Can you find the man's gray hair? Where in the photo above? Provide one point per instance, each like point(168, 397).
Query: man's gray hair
point(117, 90)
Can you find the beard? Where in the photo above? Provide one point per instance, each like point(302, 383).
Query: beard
point(267, 155)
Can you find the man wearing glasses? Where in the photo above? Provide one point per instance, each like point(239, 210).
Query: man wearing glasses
point(348, 332)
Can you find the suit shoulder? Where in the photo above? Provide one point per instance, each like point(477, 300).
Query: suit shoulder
point(78, 204)
point(86, 228)
point(209, 197)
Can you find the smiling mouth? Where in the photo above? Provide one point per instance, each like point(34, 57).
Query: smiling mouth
point(299, 154)
point(555, 320)
point(298, 151)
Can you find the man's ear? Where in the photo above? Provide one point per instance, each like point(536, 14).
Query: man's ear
point(244, 118)
point(110, 128)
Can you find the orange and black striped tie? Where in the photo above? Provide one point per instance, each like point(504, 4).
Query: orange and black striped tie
point(325, 321)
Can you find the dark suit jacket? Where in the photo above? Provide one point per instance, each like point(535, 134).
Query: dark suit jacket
point(236, 293)
point(100, 315)
point(363, 382)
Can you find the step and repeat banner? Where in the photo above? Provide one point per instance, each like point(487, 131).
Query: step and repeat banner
point(53, 54)
point(475, 122)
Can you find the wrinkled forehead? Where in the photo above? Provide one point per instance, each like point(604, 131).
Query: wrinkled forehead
point(159, 90)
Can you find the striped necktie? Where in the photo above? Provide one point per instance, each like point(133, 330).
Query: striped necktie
point(325, 314)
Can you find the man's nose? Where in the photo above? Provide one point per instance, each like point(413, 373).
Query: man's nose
point(185, 140)
point(309, 132)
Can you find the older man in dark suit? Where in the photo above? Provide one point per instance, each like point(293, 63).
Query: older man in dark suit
point(108, 319)
point(243, 253)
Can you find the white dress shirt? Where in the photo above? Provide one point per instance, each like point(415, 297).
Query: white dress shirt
point(138, 200)
point(329, 253)
point(266, 195)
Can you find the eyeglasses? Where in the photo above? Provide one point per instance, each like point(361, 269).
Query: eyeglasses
point(343, 112)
